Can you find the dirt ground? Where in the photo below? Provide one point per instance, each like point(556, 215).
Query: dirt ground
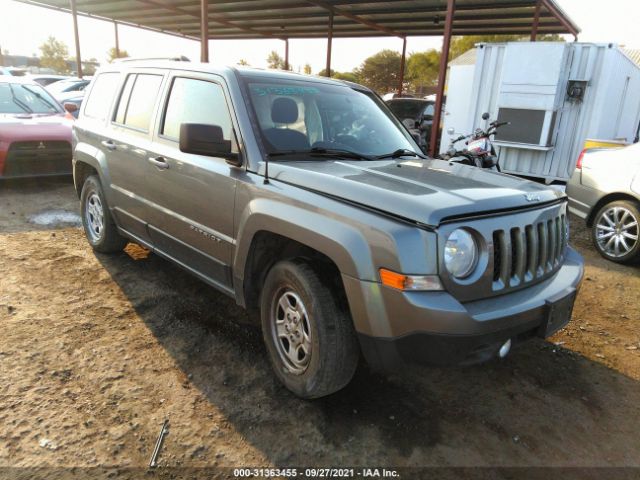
point(96, 351)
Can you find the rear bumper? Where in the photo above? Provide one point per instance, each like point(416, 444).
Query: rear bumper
point(582, 199)
point(432, 327)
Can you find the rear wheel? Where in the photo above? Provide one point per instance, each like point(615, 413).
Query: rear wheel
point(616, 232)
point(99, 228)
point(308, 332)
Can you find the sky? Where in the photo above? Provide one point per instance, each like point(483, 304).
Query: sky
point(23, 28)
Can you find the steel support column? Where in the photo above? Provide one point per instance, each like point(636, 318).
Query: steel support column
point(115, 28)
point(204, 31)
point(536, 21)
point(74, 14)
point(286, 54)
point(329, 41)
point(403, 60)
point(442, 76)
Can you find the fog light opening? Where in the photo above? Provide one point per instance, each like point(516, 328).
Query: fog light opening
point(504, 349)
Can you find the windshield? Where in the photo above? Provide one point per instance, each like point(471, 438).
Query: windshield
point(19, 98)
point(299, 116)
point(410, 108)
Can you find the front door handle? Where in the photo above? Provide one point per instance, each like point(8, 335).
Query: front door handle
point(159, 162)
point(108, 144)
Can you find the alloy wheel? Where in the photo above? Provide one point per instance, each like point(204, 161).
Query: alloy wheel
point(291, 331)
point(94, 216)
point(617, 231)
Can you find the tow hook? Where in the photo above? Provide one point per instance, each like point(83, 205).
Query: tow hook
point(504, 349)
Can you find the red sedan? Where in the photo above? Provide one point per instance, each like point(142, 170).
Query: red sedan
point(35, 131)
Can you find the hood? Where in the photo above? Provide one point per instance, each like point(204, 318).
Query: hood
point(424, 191)
point(28, 127)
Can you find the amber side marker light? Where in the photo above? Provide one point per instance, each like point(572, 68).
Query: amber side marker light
point(400, 281)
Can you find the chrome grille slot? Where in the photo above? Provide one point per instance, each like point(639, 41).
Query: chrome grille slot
point(532, 250)
point(518, 257)
point(543, 245)
point(497, 255)
point(551, 237)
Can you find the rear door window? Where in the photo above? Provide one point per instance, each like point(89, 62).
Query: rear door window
point(101, 95)
point(195, 101)
point(138, 98)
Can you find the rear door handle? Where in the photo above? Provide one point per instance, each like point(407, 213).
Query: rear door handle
point(108, 144)
point(159, 162)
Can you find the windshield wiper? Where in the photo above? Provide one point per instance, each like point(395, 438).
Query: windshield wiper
point(401, 152)
point(323, 152)
point(44, 100)
point(20, 103)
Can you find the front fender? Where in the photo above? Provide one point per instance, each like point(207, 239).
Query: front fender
point(344, 244)
point(85, 152)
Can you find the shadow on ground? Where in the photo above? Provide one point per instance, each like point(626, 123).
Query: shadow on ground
point(543, 405)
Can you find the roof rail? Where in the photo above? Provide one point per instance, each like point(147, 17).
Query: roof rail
point(181, 58)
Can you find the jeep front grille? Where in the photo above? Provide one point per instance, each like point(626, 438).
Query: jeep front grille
point(524, 254)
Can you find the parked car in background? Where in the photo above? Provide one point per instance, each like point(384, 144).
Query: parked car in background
point(605, 191)
point(46, 79)
point(35, 131)
point(13, 71)
point(417, 115)
point(63, 88)
point(392, 95)
point(305, 200)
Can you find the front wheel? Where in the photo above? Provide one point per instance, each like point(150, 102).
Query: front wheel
point(309, 335)
point(99, 228)
point(616, 231)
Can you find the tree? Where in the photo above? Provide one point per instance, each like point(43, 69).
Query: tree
point(243, 62)
point(323, 72)
point(54, 54)
point(112, 54)
point(307, 69)
point(380, 72)
point(348, 76)
point(274, 60)
point(422, 68)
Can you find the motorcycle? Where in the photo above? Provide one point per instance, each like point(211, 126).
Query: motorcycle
point(479, 150)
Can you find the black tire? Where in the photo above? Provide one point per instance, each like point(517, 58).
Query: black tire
point(105, 239)
point(630, 226)
point(334, 351)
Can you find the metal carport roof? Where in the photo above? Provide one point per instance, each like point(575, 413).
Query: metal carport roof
point(242, 19)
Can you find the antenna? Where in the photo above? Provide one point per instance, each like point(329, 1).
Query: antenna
point(266, 170)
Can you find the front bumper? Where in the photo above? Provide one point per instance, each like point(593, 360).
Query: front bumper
point(433, 327)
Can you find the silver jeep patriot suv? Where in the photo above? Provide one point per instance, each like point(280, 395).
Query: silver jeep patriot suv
point(307, 201)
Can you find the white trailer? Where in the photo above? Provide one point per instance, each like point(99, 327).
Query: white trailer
point(556, 95)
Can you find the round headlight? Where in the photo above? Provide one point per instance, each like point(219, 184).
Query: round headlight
point(460, 253)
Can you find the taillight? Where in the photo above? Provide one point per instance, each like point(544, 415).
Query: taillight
point(579, 163)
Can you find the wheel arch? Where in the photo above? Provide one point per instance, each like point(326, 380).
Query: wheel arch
point(610, 197)
point(274, 231)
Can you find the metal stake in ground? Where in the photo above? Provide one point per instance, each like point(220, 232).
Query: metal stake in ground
point(156, 450)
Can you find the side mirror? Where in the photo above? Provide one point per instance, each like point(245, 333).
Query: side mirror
point(451, 131)
point(70, 107)
point(203, 139)
point(485, 116)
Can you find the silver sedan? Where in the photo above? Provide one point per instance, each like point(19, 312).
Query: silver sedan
point(605, 191)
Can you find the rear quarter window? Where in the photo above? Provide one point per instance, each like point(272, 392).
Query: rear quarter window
point(101, 95)
point(137, 101)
